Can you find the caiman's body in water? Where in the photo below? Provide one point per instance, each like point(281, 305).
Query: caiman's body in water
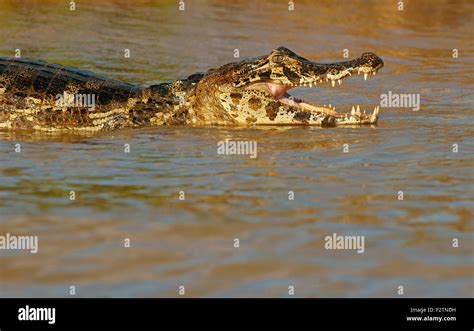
point(251, 92)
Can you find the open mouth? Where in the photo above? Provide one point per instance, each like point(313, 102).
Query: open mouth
point(331, 76)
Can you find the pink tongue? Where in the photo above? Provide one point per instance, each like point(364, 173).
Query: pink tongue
point(277, 90)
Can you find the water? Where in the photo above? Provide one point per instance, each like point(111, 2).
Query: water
point(191, 242)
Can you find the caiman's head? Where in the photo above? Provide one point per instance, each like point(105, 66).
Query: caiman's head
point(255, 91)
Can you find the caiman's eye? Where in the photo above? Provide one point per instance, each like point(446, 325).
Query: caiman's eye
point(277, 58)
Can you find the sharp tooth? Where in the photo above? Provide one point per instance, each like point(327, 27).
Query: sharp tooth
point(366, 75)
point(353, 111)
point(374, 73)
point(310, 84)
point(358, 110)
point(349, 74)
point(339, 81)
point(364, 112)
point(373, 117)
point(333, 83)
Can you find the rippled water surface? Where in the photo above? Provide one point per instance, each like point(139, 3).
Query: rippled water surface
point(190, 242)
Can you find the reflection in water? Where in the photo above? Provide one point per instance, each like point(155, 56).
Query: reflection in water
point(135, 195)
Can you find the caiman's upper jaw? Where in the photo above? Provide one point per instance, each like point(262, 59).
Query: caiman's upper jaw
point(367, 65)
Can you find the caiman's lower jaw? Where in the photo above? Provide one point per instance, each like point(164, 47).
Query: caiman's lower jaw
point(356, 116)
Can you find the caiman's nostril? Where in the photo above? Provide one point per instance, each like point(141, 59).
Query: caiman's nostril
point(374, 59)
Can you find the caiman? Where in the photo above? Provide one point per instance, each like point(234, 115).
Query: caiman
point(41, 96)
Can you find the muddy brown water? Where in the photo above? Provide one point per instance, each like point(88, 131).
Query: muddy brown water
point(190, 242)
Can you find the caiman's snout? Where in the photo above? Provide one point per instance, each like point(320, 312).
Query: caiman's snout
point(371, 60)
point(367, 64)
